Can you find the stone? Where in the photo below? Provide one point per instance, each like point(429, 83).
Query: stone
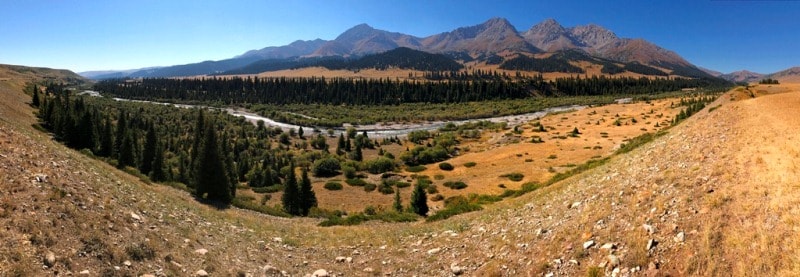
point(652, 266)
point(680, 237)
point(456, 270)
point(368, 269)
point(588, 244)
point(650, 229)
point(269, 270)
point(176, 264)
point(201, 273)
point(84, 272)
point(651, 243)
point(574, 262)
point(136, 217)
point(574, 205)
point(320, 273)
point(340, 259)
point(127, 263)
point(277, 240)
point(613, 261)
point(50, 259)
point(608, 246)
point(201, 251)
point(348, 260)
point(434, 251)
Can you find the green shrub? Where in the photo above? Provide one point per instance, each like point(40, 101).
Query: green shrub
point(470, 164)
point(379, 165)
point(437, 197)
point(438, 177)
point(446, 166)
point(386, 188)
point(515, 176)
point(369, 187)
point(356, 182)
point(349, 172)
point(249, 205)
point(333, 186)
point(416, 168)
point(454, 206)
point(431, 189)
point(326, 167)
point(270, 189)
point(455, 185)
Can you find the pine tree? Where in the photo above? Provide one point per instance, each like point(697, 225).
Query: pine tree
point(419, 200)
point(35, 99)
point(300, 133)
point(307, 197)
point(199, 127)
point(210, 176)
point(357, 155)
point(291, 196)
point(149, 151)
point(106, 140)
point(125, 153)
point(157, 173)
point(122, 125)
point(341, 145)
point(398, 205)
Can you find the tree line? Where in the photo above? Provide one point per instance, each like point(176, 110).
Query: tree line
point(344, 91)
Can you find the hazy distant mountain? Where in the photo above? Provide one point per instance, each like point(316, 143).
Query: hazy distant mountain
point(788, 75)
point(113, 74)
point(743, 76)
point(493, 36)
point(495, 41)
point(294, 49)
point(363, 39)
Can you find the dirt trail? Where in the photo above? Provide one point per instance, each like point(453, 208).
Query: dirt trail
point(718, 195)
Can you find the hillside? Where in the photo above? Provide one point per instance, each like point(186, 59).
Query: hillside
point(691, 191)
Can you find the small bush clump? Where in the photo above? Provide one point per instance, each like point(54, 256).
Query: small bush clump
point(446, 166)
point(333, 185)
point(455, 185)
point(515, 176)
point(416, 168)
point(470, 164)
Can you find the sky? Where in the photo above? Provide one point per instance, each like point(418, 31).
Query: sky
point(761, 36)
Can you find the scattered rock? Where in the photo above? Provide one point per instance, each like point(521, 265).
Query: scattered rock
point(340, 259)
point(136, 217)
point(176, 264)
point(127, 263)
point(348, 260)
point(84, 272)
point(50, 259)
point(41, 178)
point(368, 269)
point(434, 251)
point(588, 244)
point(574, 205)
point(271, 271)
point(680, 237)
point(574, 262)
point(456, 270)
point(652, 266)
point(320, 273)
point(649, 228)
point(277, 240)
point(201, 273)
point(651, 243)
point(201, 251)
point(608, 246)
point(613, 261)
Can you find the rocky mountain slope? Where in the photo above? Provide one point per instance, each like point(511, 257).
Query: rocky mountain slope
point(715, 196)
point(488, 39)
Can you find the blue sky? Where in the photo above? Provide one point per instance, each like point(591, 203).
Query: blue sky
point(761, 36)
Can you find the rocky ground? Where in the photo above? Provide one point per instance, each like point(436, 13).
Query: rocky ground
point(717, 195)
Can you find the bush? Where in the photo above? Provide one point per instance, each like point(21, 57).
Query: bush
point(438, 177)
point(386, 188)
point(446, 166)
point(270, 189)
point(437, 197)
point(326, 167)
point(416, 168)
point(516, 176)
point(369, 187)
point(431, 189)
point(379, 165)
point(349, 172)
point(453, 206)
point(469, 164)
point(333, 186)
point(356, 182)
point(455, 185)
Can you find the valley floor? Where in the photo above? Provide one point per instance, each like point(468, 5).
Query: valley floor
point(717, 195)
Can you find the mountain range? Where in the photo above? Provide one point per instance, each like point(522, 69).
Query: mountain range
point(496, 38)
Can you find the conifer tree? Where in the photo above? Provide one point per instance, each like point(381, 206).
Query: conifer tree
point(157, 173)
point(149, 151)
point(341, 145)
point(291, 196)
point(419, 200)
point(398, 205)
point(210, 176)
point(35, 98)
point(125, 153)
point(308, 198)
point(122, 125)
point(106, 140)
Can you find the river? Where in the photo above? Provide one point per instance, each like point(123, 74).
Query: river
point(379, 130)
